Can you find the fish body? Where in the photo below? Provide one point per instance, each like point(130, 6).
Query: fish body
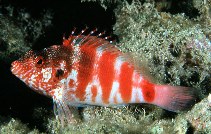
point(88, 70)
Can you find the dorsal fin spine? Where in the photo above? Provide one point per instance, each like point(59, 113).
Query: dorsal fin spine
point(76, 38)
point(87, 36)
point(86, 39)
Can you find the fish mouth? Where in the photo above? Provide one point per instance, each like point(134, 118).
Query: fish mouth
point(15, 67)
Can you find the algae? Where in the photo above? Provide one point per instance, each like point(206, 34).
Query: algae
point(15, 126)
point(197, 120)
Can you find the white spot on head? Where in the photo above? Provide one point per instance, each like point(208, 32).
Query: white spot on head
point(47, 72)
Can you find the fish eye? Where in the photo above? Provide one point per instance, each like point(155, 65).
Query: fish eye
point(39, 61)
point(59, 73)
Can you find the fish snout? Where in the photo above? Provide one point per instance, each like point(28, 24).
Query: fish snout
point(13, 63)
point(14, 67)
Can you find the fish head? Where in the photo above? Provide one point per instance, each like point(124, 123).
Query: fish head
point(45, 70)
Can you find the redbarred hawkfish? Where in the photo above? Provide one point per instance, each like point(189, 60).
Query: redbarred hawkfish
point(88, 70)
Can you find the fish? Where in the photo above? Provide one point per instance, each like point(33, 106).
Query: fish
point(87, 70)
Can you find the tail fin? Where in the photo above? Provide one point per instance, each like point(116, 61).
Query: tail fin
point(174, 98)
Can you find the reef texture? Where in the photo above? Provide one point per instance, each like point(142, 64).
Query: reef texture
point(14, 126)
point(11, 39)
point(175, 46)
point(19, 31)
point(104, 3)
point(177, 49)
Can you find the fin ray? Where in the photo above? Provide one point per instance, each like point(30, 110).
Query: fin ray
point(175, 98)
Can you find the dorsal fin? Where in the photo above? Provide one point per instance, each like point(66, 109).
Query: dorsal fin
point(140, 65)
point(102, 45)
point(80, 39)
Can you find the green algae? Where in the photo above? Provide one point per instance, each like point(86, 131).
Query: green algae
point(197, 120)
point(204, 8)
point(15, 126)
point(129, 119)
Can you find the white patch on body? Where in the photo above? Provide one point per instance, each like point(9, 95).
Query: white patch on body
point(136, 90)
point(71, 98)
point(117, 66)
point(136, 95)
point(98, 98)
point(115, 93)
point(95, 82)
point(115, 86)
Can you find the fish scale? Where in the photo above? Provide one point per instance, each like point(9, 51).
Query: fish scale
point(101, 69)
point(89, 70)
